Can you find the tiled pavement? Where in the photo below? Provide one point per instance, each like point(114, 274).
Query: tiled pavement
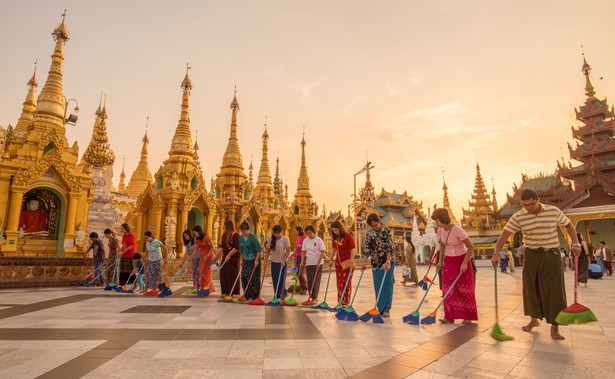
point(78, 332)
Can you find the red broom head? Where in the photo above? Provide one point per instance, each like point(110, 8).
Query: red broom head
point(308, 302)
point(257, 301)
point(575, 314)
point(241, 298)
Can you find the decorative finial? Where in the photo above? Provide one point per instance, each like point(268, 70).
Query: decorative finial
point(33, 81)
point(145, 139)
point(187, 83)
point(61, 32)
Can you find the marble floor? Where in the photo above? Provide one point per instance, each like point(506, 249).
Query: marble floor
point(75, 332)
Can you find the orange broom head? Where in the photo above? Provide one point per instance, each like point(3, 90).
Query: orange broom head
point(124, 288)
point(228, 297)
point(374, 312)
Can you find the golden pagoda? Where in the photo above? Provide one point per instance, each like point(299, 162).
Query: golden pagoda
point(142, 176)
point(446, 203)
point(177, 200)
point(121, 187)
point(47, 192)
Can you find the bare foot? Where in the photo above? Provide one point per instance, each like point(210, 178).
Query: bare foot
point(555, 333)
point(532, 324)
point(445, 321)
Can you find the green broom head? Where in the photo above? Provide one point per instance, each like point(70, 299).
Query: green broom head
point(322, 306)
point(190, 291)
point(274, 302)
point(290, 302)
point(412, 318)
point(337, 308)
point(498, 335)
point(575, 314)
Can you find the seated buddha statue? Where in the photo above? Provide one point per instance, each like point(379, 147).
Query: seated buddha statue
point(32, 219)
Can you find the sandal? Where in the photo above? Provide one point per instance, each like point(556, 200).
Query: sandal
point(445, 321)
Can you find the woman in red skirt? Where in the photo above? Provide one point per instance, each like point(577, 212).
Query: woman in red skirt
point(205, 247)
point(456, 251)
point(343, 256)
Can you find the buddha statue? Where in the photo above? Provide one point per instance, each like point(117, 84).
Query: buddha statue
point(32, 219)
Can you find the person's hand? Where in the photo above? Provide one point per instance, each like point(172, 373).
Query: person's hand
point(464, 267)
point(363, 266)
point(330, 264)
point(228, 256)
point(495, 259)
point(352, 264)
point(576, 249)
point(258, 262)
point(387, 266)
point(439, 266)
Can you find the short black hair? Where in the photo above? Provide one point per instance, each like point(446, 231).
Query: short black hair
point(299, 230)
point(372, 217)
point(148, 234)
point(528, 194)
point(93, 235)
point(310, 228)
point(136, 256)
point(602, 242)
point(108, 231)
point(244, 226)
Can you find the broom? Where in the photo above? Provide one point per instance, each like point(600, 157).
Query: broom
point(112, 284)
point(125, 289)
point(374, 313)
point(242, 299)
point(413, 318)
point(497, 332)
point(165, 288)
point(292, 302)
point(339, 305)
point(229, 298)
point(309, 303)
point(259, 300)
point(423, 283)
point(324, 305)
point(201, 264)
point(576, 313)
point(203, 292)
point(348, 313)
point(432, 316)
point(87, 276)
point(98, 276)
point(274, 302)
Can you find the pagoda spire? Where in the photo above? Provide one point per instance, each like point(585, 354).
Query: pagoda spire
point(493, 198)
point(51, 99)
point(589, 88)
point(181, 145)
point(480, 213)
point(99, 153)
point(29, 104)
point(303, 183)
point(122, 185)
point(251, 169)
point(232, 156)
point(142, 175)
point(446, 204)
point(264, 186)
point(196, 149)
point(277, 182)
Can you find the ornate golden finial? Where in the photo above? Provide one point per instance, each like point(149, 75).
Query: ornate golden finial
point(264, 186)
point(122, 185)
point(277, 183)
point(181, 144)
point(586, 69)
point(60, 32)
point(145, 139)
point(187, 83)
point(265, 134)
point(33, 82)
point(103, 112)
point(196, 143)
point(303, 182)
point(142, 175)
point(99, 153)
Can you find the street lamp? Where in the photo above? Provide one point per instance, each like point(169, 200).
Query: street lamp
point(71, 119)
point(367, 166)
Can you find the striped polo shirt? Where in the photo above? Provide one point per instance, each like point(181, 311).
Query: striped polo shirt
point(539, 230)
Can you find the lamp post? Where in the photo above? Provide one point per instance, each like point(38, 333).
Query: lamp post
point(72, 119)
point(355, 201)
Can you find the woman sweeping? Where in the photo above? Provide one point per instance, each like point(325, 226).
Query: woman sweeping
point(456, 250)
point(204, 249)
point(190, 249)
point(279, 247)
point(299, 238)
point(343, 256)
point(411, 262)
point(156, 255)
point(229, 252)
point(128, 250)
point(251, 251)
point(583, 261)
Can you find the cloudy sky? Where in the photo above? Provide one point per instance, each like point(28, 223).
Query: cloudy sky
point(418, 85)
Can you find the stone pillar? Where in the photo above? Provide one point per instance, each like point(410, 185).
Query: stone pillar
point(71, 214)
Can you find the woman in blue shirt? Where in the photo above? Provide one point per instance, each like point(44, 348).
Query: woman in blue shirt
point(251, 253)
point(156, 255)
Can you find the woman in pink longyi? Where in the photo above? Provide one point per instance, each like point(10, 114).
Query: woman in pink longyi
point(456, 251)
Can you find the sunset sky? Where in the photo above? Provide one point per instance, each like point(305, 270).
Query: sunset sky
point(419, 85)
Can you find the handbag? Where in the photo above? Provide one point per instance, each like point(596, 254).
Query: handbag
point(345, 264)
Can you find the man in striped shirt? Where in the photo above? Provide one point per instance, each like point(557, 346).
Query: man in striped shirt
point(544, 294)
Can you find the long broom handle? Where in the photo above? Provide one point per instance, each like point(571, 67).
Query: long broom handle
point(180, 270)
point(249, 279)
point(327, 287)
point(216, 273)
point(314, 279)
point(497, 313)
point(449, 291)
point(576, 276)
point(277, 285)
point(234, 284)
point(357, 288)
point(101, 273)
point(350, 273)
point(262, 279)
point(428, 288)
point(431, 260)
point(380, 290)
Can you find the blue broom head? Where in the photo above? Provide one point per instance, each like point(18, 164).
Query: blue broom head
point(322, 306)
point(428, 320)
point(337, 308)
point(353, 316)
point(274, 303)
point(412, 316)
point(110, 286)
point(87, 284)
point(341, 315)
point(118, 289)
point(163, 286)
point(202, 292)
point(365, 317)
point(165, 293)
point(378, 319)
point(423, 284)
